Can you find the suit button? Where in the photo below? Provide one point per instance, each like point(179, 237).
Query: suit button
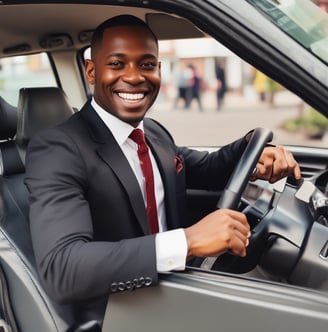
point(121, 286)
point(129, 285)
point(148, 281)
point(113, 287)
point(135, 283)
point(141, 282)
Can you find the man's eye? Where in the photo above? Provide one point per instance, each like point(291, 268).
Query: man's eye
point(148, 65)
point(115, 64)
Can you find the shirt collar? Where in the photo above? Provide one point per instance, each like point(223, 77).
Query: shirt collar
point(120, 129)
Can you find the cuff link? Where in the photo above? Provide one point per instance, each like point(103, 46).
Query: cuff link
point(254, 171)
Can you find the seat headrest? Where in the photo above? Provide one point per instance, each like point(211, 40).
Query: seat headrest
point(8, 120)
point(40, 108)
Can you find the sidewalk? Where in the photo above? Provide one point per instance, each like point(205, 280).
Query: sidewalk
point(238, 115)
point(235, 101)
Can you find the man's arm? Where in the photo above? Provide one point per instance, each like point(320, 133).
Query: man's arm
point(71, 264)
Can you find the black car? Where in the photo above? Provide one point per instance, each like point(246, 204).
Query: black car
point(275, 57)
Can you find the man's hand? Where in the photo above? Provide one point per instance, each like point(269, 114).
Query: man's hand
point(219, 232)
point(276, 163)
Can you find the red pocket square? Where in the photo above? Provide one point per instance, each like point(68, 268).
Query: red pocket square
point(178, 162)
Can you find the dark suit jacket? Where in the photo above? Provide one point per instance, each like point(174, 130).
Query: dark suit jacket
point(88, 219)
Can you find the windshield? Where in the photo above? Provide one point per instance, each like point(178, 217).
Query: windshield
point(303, 20)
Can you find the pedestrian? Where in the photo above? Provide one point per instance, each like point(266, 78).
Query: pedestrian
point(196, 87)
point(184, 82)
point(220, 84)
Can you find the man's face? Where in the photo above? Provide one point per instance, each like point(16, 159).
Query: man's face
point(125, 72)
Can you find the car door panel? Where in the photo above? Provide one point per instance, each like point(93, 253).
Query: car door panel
point(216, 302)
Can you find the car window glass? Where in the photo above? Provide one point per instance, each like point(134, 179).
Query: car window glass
point(224, 109)
point(301, 19)
point(24, 71)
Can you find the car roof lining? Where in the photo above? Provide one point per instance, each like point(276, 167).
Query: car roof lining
point(76, 25)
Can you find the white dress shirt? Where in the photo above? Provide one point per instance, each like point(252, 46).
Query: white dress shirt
point(171, 246)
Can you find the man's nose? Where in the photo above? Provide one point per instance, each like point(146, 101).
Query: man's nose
point(133, 74)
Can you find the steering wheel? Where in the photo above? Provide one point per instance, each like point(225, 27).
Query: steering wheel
point(238, 181)
point(235, 187)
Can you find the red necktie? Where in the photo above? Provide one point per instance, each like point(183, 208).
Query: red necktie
point(138, 136)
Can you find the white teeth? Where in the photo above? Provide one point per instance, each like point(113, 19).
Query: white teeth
point(131, 96)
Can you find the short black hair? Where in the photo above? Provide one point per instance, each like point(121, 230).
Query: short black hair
point(117, 21)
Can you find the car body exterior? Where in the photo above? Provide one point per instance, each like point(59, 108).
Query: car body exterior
point(287, 40)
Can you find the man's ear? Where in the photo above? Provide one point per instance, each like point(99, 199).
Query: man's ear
point(159, 69)
point(89, 68)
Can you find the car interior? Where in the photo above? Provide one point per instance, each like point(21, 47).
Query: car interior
point(37, 109)
point(35, 112)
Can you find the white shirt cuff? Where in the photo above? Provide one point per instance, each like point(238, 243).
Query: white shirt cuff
point(171, 250)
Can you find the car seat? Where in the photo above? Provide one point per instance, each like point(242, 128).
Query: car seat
point(8, 115)
point(38, 108)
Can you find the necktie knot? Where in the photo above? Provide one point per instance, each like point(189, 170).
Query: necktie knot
point(138, 137)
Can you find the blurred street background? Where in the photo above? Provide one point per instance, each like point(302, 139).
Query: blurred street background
point(237, 116)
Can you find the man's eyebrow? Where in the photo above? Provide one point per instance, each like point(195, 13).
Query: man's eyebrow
point(122, 55)
point(150, 55)
point(119, 55)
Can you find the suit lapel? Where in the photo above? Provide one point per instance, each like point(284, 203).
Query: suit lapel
point(112, 155)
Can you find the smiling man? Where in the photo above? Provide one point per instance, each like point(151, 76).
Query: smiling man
point(107, 209)
point(125, 71)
